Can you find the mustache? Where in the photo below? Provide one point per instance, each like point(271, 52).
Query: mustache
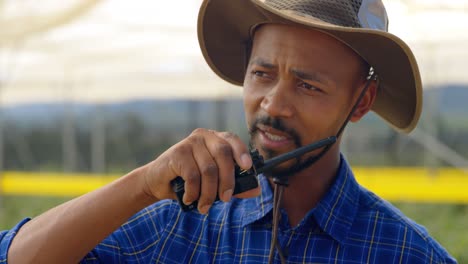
point(280, 125)
point(275, 123)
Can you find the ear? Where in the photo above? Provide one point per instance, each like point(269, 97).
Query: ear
point(366, 102)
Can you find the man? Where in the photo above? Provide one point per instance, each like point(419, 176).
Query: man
point(305, 68)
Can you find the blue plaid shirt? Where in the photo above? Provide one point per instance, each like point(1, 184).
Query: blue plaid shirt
point(349, 225)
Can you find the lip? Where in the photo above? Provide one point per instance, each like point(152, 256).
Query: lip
point(267, 142)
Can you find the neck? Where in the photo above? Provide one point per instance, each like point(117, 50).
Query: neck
point(308, 187)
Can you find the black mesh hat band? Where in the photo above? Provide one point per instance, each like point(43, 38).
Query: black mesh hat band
point(346, 13)
point(339, 12)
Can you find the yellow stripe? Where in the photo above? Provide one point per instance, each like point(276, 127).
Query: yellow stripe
point(336, 255)
point(403, 246)
point(305, 249)
point(415, 184)
point(373, 235)
point(395, 184)
point(199, 239)
point(168, 236)
point(337, 200)
point(51, 184)
point(243, 241)
point(110, 246)
point(220, 231)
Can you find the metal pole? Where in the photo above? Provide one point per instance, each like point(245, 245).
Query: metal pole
point(69, 148)
point(193, 113)
point(98, 142)
point(220, 106)
point(431, 109)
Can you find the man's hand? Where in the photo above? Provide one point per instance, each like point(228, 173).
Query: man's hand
point(205, 160)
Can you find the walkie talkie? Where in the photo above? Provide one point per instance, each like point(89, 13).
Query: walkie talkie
point(247, 179)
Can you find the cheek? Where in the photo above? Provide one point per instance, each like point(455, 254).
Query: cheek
point(250, 105)
point(322, 116)
point(338, 115)
point(252, 96)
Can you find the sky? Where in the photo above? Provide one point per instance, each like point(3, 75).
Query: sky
point(124, 50)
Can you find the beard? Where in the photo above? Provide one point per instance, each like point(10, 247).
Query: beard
point(299, 163)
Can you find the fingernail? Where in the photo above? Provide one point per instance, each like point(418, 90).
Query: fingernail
point(204, 209)
point(246, 161)
point(227, 195)
point(186, 201)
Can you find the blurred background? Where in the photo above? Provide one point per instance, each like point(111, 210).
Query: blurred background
point(90, 89)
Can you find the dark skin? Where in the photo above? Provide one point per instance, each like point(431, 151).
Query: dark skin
point(304, 78)
point(310, 82)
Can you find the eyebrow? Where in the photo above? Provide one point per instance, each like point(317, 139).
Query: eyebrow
point(263, 63)
point(310, 76)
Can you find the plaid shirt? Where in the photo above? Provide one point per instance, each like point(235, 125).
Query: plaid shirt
point(349, 225)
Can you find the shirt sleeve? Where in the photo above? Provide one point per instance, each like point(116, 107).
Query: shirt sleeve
point(108, 251)
point(6, 237)
point(440, 256)
point(134, 241)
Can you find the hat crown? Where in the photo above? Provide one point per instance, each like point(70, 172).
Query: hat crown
point(347, 13)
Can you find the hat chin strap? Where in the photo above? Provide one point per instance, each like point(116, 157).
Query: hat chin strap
point(371, 77)
point(282, 182)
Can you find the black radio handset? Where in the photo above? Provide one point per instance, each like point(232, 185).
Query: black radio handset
point(247, 179)
point(244, 180)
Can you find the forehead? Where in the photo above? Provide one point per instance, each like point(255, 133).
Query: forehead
point(302, 45)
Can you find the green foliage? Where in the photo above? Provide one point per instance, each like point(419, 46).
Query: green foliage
point(447, 223)
point(15, 208)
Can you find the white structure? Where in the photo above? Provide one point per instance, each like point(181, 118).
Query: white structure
point(101, 51)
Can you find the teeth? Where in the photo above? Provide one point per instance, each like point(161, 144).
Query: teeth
point(274, 137)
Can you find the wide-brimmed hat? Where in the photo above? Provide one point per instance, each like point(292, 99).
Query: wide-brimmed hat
point(225, 35)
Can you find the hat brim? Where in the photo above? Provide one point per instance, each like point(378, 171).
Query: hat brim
point(224, 32)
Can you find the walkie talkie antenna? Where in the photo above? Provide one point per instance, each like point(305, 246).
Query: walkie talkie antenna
point(271, 163)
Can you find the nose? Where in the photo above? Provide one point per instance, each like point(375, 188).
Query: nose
point(277, 102)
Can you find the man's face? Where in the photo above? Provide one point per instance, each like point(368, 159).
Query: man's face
point(299, 87)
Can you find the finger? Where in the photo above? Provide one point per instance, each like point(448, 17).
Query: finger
point(209, 172)
point(185, 166)
point(239, 148)
point(222, 153)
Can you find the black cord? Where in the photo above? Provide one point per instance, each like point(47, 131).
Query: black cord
point(274, 231)
point(280, 183)
point(278, 193)
point(372, 77)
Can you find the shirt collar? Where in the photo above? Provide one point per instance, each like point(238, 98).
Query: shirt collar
point(259, 206)
point(337, 210)
point(334, 214)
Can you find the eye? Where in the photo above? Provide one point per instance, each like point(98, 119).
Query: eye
point(259, 73)
point(262, 76)
point(309, 87)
